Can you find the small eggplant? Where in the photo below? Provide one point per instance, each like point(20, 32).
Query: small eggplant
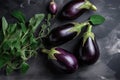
point(53, 7)
point(75, 8)
point(89, 51)
point(61, 60)
point(64, 33)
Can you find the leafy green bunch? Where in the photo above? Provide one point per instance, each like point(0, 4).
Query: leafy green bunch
point(18, 43)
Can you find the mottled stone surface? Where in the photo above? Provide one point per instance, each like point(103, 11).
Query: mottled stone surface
point(107, 34)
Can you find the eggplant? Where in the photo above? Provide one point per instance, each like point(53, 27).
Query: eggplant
point(53, 7)
point(89, 51)
point(75, 8)
point(64, 33)
point(61, 60)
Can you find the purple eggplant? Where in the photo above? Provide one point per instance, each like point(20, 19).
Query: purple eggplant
point(64, 33)
point(75, 8)
point(53, 7)
point(89, 51)
point(62, 60)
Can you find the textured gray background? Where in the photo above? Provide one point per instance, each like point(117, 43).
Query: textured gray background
point(108, 37)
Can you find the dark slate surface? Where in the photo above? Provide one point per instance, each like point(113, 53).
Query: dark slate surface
point(108, 37)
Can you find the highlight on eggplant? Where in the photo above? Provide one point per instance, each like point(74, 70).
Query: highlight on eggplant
point(76, 8)
point(61, 60)
point(53, 7)
point(64, 33)
point(89, 51)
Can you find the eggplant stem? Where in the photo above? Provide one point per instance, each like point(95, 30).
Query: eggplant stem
point(81, 25)
point(93, 7)
point(89, 28)
point(78, 26)
point(84, 23)
point(88, 5)
point(46, 51)
point(50, 52)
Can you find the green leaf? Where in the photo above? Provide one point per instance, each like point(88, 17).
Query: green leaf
point(4, 25)
point(23, 55)
point(97, 19)
point(24, 67)
point(16, 36)
point(23, 26)
point(3, 60)
point(17, 45)
point(19, 16)
point(9, 70)
point(32, 39)
point(35, 21)
point(49, 16)
point(14, 63)
point(11, 28)
point(24, 41)
point(6, 45)
point(44, 31)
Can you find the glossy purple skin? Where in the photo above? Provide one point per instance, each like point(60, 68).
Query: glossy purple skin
point(89, 53)
point(66, 62)
point(53, 8)
point(61, 35)
point(71, 10)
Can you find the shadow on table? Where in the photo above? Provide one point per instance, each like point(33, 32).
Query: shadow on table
point(114, 64)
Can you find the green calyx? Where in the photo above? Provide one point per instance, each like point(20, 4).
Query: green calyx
point(78, 27)
point(51, 53)
point(88, 34)
point(88, 5)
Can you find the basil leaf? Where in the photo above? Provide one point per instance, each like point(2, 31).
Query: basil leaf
point(49, 16)
point(11, 28)
point(24, 67)
point(97, 19)
point(16, 36)
point(17, 45)
point(35, 21)
point(23, 26)
point(19, 16)
point(9, 70)
point(6, 45)
point(4, 25)
point(43, 31)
